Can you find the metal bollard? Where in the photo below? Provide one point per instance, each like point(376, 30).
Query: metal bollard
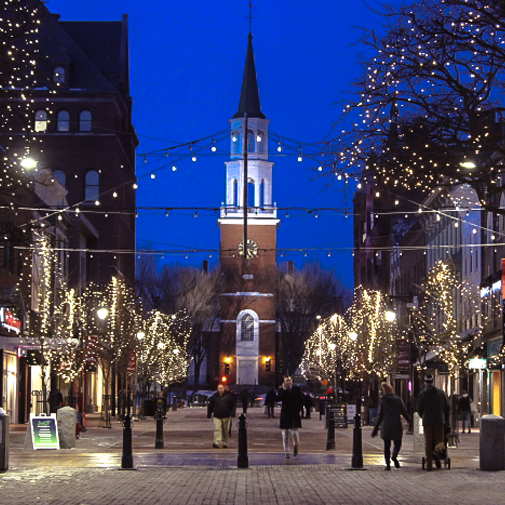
point(127, 457)
point(330, 439)
point(357, 442)
point(4, 441)
point(159, 444)
point(243, 459)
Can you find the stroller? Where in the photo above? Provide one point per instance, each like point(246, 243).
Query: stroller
point(440, 454)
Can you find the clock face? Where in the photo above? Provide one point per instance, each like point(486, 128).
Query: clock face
point(252, 249)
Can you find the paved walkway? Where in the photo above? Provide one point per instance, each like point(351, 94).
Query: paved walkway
point(189, 471)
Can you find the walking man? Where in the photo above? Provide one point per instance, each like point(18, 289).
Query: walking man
point(221, 404)
point(434, 408)
point(465, 408)
point(270, 402)
point(292, 403)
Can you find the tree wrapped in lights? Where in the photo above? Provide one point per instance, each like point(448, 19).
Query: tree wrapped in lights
point(163, 349)
point(428, 111)
point(375, 341)
point(19, 53)
point(329, 348)
point(446, 302)
point(299, 298)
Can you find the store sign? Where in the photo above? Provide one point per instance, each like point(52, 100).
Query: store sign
point(44, 431)
point(8, 321)
point(477, 363)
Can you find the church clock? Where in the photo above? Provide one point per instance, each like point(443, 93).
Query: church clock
point(252, 249)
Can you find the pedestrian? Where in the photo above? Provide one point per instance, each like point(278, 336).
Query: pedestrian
point(234, 408)
point(221, 406)
point(465, 409)
point(389, 420)
point(308, 403)
point(244, 398)
point(292, 402)
point(270, 402)
point(434, 408)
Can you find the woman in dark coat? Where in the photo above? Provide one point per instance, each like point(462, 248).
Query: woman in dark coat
point(292, 402)
point(389, 420)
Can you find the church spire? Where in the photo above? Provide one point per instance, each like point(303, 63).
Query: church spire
point(249, 96)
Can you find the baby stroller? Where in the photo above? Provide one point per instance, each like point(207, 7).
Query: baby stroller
point(440, 453)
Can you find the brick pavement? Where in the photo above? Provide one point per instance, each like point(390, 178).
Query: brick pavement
point(189, 472)
point(266, 485)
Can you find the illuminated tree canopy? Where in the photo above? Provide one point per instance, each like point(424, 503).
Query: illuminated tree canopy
point(428, 111)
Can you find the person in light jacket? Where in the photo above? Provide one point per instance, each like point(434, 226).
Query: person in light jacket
point(389, 421)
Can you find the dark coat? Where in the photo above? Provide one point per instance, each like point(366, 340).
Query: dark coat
point(390, 409)
point(465, 404)
point(270, 398)
point(220, 406)
point(292, 404)
point(433, 406)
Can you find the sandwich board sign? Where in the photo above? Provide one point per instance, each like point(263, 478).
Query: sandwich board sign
point(44, 430)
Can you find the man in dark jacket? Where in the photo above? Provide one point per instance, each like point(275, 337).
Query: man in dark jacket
point(270, 402)
point(465, 409)
point(390, 409)
point(292, 403)
point(221, 404)
point(434, 408)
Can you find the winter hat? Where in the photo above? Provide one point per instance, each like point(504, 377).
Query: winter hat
point(387, 388)
point(428, 379)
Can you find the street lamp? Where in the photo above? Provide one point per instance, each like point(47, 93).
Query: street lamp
point(28, 163)
point(102, 313)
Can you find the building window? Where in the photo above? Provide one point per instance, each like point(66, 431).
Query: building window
point(247, 329)
point(85, 121)
point(61, 177)
point(59, 75)
point(63, 121)
point(91, 186)
point(41, 121)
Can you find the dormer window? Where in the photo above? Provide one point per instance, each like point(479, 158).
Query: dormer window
point(59, 75)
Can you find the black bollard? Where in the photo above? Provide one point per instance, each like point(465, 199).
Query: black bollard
point(357, 442)
point(330, 439)
point(159, 444)
point(127, 458)
point(243, 459)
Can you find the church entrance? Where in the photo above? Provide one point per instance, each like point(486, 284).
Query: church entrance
point(247, 371)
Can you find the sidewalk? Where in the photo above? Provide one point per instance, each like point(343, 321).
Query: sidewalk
point(188, 471)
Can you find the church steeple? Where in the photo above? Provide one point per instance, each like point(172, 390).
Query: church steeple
point(249, 96)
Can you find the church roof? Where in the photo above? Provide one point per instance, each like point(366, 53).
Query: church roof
point(249, 96)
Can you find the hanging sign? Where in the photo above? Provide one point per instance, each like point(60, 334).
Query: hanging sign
point(44, 431)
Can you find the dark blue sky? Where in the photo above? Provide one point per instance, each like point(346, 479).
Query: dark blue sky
point(186, 63)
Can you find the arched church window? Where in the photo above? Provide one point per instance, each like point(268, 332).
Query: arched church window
point(262, 194)
point(251, 142)
point(251, 197)
point(247, 328)
point(234, 193)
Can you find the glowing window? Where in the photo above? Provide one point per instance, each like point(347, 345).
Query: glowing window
point(41, 121)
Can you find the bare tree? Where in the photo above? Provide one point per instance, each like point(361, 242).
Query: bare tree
point(301, 299)
point(428, 111)
point(174, 289)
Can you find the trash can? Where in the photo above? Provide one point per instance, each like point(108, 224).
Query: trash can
point(4, 441)
point(492, 443)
